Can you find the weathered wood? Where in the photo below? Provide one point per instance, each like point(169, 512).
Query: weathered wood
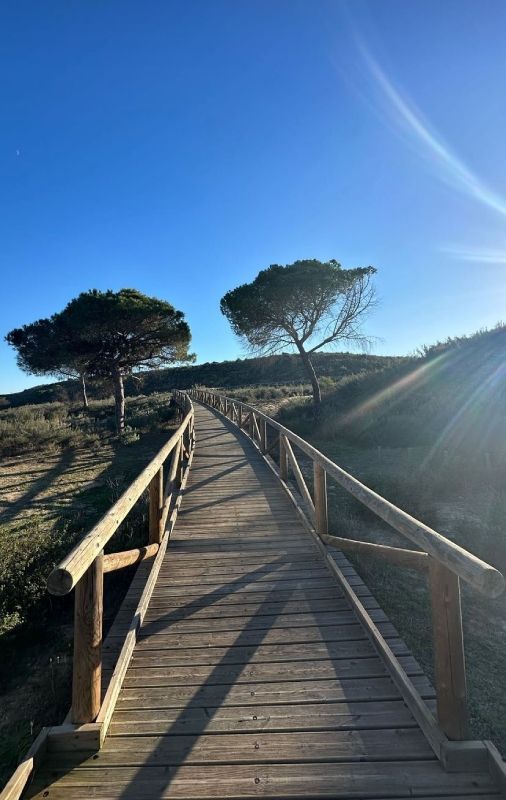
point(155, 507)
point(448, 642)
point(410, 559)
point(179, 464)
point(253, 673)
point(70, 738)
point(283, 459)
point(497, 766)
point(363, 779)
point(171, 485)
point(256, 430)
point(65, 576)
point(114, 687)
point(263, 435)
point(87, 662)
point(477, 572)
point(126, 558)
point(411, 697)
point(301, 483)
point(320, 499)
point(15, 786)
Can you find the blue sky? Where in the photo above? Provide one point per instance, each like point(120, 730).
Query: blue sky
point(180, 146)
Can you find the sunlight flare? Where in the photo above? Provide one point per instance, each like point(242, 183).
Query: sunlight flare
point(429, 143)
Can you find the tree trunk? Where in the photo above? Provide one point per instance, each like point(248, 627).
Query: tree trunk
point(119, 400)
point(84, 395)
point(308, 366)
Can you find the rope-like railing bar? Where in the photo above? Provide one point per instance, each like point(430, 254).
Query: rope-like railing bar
point(299, 477)
point(66, 575)
point(126, 558)
point(256, 429)
point(472, 569)
point(410, 559)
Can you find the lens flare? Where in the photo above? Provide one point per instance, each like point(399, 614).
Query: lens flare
point(397, 391)
point(430, 144)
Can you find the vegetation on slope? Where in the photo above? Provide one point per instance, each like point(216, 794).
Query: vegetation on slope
point(279, 370)
point(430, 435)
point(60, 471)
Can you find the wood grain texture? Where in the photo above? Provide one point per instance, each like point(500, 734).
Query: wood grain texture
point(252, 675)
point(87, 662)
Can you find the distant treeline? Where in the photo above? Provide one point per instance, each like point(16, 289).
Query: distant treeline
point(270, 370)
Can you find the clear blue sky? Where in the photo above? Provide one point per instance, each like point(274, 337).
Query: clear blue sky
point(180, 146)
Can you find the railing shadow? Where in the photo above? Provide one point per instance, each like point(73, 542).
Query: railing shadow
point(195, 704)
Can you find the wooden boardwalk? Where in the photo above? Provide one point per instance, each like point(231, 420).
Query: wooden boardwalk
point(251, 676)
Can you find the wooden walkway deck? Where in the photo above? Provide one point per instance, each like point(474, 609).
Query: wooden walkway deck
point(252, 676)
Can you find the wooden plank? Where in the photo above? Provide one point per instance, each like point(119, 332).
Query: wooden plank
point(195, 720)
point(249, 638)
point(331, 690)
point(223, 601)
point(16, 784)
point(308, 746)
point(313, 651)
point(194, 675)
point(162, 625)
point(328, 780)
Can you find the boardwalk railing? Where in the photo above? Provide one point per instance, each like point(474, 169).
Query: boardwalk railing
point(443, 561)
point(83, 570)
point(84, 567)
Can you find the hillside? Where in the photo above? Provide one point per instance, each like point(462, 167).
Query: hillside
point(270, 370)
point(429, 435)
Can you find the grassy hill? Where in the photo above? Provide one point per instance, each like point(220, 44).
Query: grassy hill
point(281, 369)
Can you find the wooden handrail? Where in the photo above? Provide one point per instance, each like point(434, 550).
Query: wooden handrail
point(441, 559)
point(68, 572)
point(484, 577)
point(85, 566)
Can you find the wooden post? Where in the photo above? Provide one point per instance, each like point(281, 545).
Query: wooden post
point(449, 661)
point(283, 460)
point(320, 499)
point(155, 507)
point(87, 666)
point(239, 416)
point(263, 435)
point(251, 425)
